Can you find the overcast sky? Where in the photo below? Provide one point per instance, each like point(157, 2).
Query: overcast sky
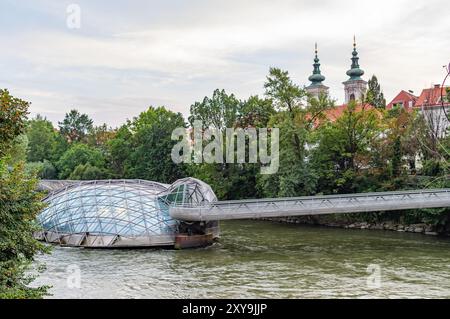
point(128, 55)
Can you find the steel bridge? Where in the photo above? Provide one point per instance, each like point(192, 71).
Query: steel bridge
point(312, 205)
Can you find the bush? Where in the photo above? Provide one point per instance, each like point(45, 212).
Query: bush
point(44, 170)
point(20, 204)
point(87, 172)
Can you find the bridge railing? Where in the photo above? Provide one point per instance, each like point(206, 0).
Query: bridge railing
point(313, 205)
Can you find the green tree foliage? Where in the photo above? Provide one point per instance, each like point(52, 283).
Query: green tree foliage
point(99, 136)
point(119, 151)
point(79, 154)
point(142, 148)
point(87, 172)
point(44, 170)
point(18, 153)
point(365, 149)
point(219, 111)
point(374, 95)
point(19, 205)
point(75, 126)
point(42, 140)
point(255, 112)
point(344, 150)
point(296, 118)
point(13, 112)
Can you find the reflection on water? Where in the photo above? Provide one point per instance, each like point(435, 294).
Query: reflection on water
point(257, 259)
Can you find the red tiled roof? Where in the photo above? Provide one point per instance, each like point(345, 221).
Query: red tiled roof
point(431, 97)
point(404, 98)
point(336, 112)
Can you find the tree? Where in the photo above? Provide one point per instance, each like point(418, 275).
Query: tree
point(401, 143)
point(42, 139)
point(220, 111)
point(142, 148)
point(119, 151)
point(297, 118)
point(345, 148)
point(13, 112)
point(374, 95)
point(79, 154)
point(255, 112)
point(19, 205)
point(44, 170)
point(87, 172)
point(18, 153)
point(287, 96)
point(75, 126)
point(99, 136)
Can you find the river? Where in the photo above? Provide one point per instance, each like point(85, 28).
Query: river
point(260, 259)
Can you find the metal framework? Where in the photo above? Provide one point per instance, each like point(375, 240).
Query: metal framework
point(116, 213)
point(312, 205)
point(132, 213)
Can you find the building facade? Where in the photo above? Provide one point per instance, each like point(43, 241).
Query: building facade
point(432, 104)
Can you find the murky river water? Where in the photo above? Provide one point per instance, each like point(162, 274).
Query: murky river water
point(257, 259)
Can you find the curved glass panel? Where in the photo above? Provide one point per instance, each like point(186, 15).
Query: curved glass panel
point(125, 208)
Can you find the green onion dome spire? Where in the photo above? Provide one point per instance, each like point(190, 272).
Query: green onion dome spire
point(355, 72)
point(316, 78)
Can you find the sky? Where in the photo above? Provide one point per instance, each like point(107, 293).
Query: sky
point(128, 55)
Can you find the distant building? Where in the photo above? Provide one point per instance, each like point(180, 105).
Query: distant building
point(355, 87)
point(429, 104)
point(434, 111)
point(404, 100)
point(431, 98)
point(337, 111)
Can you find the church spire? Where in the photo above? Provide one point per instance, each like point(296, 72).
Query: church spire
point(316, 78)
point(316, 88)
point(355, 72)
point(355, 87)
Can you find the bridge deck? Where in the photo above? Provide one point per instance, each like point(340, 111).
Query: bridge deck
point(313, 205)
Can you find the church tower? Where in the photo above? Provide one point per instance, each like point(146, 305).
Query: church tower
point(355, 87)
point(316, 88)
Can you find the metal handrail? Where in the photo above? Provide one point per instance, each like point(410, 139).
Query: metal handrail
point(313, 198)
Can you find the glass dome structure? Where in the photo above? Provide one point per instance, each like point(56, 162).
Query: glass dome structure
point(120, 213)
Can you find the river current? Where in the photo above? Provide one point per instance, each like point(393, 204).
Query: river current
point(260, 259)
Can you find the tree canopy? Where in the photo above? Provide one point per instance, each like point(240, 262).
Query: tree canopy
point(374, 95)
point(75, 126)
point(19, 205)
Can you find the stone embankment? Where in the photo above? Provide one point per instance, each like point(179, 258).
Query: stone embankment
point(425, 229)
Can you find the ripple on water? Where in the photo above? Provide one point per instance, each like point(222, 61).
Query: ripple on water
point(257, 259)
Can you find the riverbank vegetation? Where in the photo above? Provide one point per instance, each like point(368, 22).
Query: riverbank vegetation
point(19, 204)
point(324, 149)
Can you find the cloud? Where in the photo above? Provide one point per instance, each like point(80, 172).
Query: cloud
point(128, 56)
